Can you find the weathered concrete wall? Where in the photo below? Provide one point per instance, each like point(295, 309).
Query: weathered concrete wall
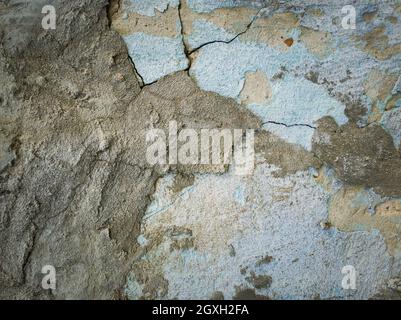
point(77, 191)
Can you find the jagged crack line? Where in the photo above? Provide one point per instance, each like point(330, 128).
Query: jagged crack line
point(186, 51)
point(142, 82)
point(231, 40)
point(289, 125)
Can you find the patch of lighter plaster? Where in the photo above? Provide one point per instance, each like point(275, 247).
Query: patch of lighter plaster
point(256, 89)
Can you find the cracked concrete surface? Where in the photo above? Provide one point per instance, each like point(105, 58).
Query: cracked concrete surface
point(77, 192)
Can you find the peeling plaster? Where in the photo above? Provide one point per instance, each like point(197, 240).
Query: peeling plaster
point(156, 57)
point(325, 106)
point(257, 216)
point(292, 66)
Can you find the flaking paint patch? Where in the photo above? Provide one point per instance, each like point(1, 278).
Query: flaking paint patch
point(294, 100)
point(318, 42)
point(156, 57)
point(249, 24)
point(163, 24)
point(378, 44)
point(219, 25)
point(272, 30)
point(153, 37)
point(358, 209)
point(287, 231)
point(204, 31)
point(297, 101)
point(334, 55)
point(291, 62)
point(222, 67)
point(379, 87)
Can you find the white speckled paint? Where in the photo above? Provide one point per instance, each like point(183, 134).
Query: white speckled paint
point(295, 100)
point(148, 7)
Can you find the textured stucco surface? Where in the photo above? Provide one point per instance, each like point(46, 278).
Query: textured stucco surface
point(76, 191)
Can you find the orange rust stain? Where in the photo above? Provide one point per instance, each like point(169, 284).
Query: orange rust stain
point(289, 42)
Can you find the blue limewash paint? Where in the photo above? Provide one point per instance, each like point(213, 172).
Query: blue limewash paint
point(154, 56)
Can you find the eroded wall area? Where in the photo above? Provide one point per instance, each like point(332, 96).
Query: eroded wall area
point(77, 192)
point(328, 102)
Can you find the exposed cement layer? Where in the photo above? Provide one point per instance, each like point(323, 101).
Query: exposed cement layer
point(190, 107)
point(63, 93)
point(77, 192)
point(360, 156)
point(287, 157)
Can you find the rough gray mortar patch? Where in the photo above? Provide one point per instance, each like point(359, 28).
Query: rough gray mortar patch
point(360, 156)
